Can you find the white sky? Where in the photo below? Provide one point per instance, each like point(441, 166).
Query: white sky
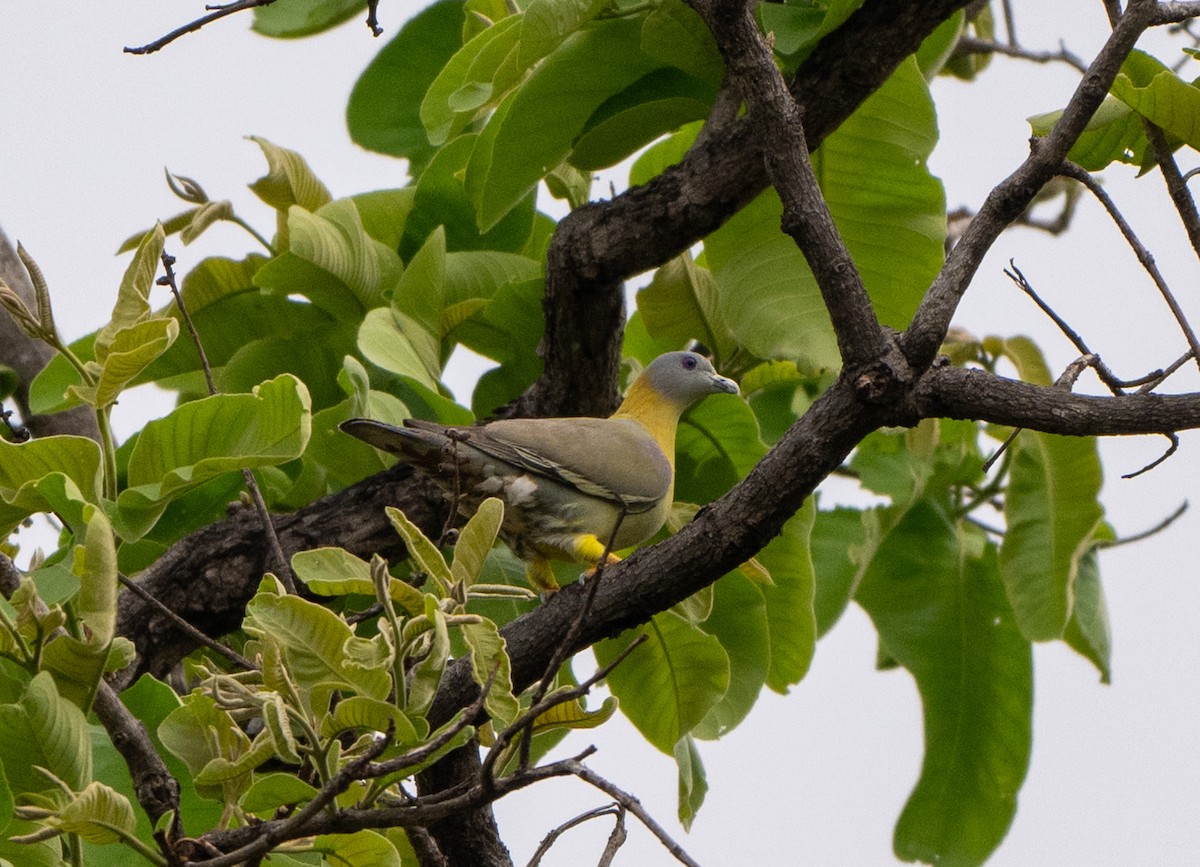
point(816, 777)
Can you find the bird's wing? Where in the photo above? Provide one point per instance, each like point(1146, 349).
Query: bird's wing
point(613, 459)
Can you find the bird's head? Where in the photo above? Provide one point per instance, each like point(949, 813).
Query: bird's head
point(674, 380)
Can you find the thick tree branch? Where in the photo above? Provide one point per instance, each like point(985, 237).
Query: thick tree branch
point(601, 244)
point(952, 392)
point(208, 577)
point(778, 122)
point(1014, 194)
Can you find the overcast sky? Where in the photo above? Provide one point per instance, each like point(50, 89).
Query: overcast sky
point(816, 777)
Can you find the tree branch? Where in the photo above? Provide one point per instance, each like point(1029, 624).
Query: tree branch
point(1014, 194)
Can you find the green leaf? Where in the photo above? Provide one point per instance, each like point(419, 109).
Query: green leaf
point(675, 34)
point(288, 181)
point(337, 572)
point(769, 298)
point(43, 729)
point(659, 102)
point(52, 474)
point(716, 445)
point(77, 667)
point(272, 791)
point(335, 241)
point(1088, 632)
point(476, 540)
point(361, 713)
point(667, 685)
point(197, 731)
point(424, 553)
point(441, 200)
point(693, 783)
point(681, 304)
point(941, 613)
point(97, 814)
point(351, 850)
point(151, 701)
point(837, 536)
point(129, 351)
point(422, 287)
point(533, 130)
point(384, 110)
point(789, 600)
point(133, 298)
point(313, 641)
point(739, 621)
point(401, 347)
point(1113, 134)
point(426, 675)
point(471, 68)
point(1159, 95)
point(1052, 512)
point(489, 661)
point(303, 17)
point(96, 565)
point(205, 438)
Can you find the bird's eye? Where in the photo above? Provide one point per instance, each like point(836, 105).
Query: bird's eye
point(689, 362)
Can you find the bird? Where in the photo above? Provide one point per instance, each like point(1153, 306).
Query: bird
point(573, 489)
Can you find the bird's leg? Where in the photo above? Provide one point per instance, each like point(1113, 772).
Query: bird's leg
point(590, 549)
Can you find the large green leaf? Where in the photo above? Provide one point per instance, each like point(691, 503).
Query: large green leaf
point(890, 210)
point(1052, 511)
point(384, 109)
point(198, 732)
point(716, 446)
point(446, 108)
point(129, 351)
point(490, 664)
point(44, 729)
point(669, 683)
point(53, 474)
point(1088, 631)
point(933, 592)
point(441, 200)
point(313, 641)
point(288, 181)
point(95, 563)
point(205, 438)
point(533, 130)
point(789, 599)
point(1159, 95)
point(133, 298)
point(681, 304)
point(739, 621)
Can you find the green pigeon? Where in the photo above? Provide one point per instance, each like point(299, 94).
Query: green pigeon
point(566, 483)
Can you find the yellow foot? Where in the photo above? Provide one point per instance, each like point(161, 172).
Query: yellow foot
point(541, 577)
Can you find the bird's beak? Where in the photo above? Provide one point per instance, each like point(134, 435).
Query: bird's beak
point(724, 384)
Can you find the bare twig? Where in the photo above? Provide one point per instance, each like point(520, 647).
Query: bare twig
point(1177, 187)
point(228, 652)
point(1146, 534)
point(293, 826)
point(1072, 170)
point(975, 45)
point(282, 567)
point(633, 805)
point(216, 13)
point(1171, 449)
point(552, 837)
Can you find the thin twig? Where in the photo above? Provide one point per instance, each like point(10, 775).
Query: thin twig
point(975, 45)
point(568, 640)
point(181, 624)
point(288, 829)
point(1072, 170)
point(1145, 534)
point(1177, 188)
point(217, 13)
point(525, 720)
point(552, 837)
point(633, 805)
point(281, 565)
point(1171, 449)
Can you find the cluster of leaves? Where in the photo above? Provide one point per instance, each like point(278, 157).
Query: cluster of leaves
point(355, 309)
